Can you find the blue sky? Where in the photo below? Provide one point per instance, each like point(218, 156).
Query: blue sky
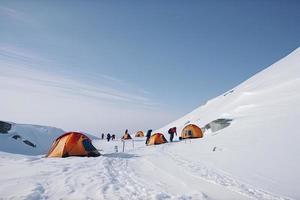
point(141, 64)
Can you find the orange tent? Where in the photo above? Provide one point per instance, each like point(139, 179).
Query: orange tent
point(72, 144)
point(157, 138)
point(191, 131)
point(126, 136)
point(140, 134)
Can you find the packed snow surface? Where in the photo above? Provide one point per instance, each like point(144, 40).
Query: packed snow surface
point(255, 157)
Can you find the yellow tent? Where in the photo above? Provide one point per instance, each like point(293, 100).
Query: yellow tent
point(140, 134)
point(157, 138)
point(72, 144)
point(191, 131)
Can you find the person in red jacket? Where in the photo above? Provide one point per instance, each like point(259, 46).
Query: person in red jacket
point(172, 131)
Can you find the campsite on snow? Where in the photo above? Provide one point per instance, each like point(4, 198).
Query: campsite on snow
point(149, 100)
point(244, 146)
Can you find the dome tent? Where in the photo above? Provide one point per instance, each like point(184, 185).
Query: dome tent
point(191, 131)
point(140, 134)
point(157, 138)
point(72, 144)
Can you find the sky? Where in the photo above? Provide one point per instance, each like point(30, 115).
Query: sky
point(105, 66)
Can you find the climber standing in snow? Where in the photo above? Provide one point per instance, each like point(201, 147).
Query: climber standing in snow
point(172, 131)
point(102, 136)
point(108, 137)
point(148, 135)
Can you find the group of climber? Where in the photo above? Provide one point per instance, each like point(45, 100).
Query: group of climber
point(108, 136)
point(113, 136)
point(172, 132)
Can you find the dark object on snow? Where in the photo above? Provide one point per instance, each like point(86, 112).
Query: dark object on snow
point(102, 136)
point(4, 127)
point(187, 122)
point(218, 124)
point(16, 137)
point(214, 149)
point(231, 91)
point(29, 143)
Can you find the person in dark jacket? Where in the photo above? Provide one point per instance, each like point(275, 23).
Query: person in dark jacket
point(113, 137)
point(102, 136)
point(108, 137)
point(172, 131)
point(148, 135)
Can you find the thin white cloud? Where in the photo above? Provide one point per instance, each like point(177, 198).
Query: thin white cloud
point(18, 54)
point(13, 58)
point(144, 91)
point(31, 95)
point(16, 15)
point(61, 86)
point(111, 78)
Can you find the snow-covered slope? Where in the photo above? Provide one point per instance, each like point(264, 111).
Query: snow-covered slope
point(28, 139)
point(261, 146)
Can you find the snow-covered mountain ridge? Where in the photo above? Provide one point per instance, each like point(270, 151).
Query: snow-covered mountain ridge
point(261, 145)
point(28, 139)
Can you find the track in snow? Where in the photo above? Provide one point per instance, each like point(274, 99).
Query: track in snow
point(199, 170)
point(154, 172)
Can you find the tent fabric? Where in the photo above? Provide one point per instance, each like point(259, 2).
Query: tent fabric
point(191, 131)
point(126, 136)
point(140, 134)
point(72, 144)
point(157, 138)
